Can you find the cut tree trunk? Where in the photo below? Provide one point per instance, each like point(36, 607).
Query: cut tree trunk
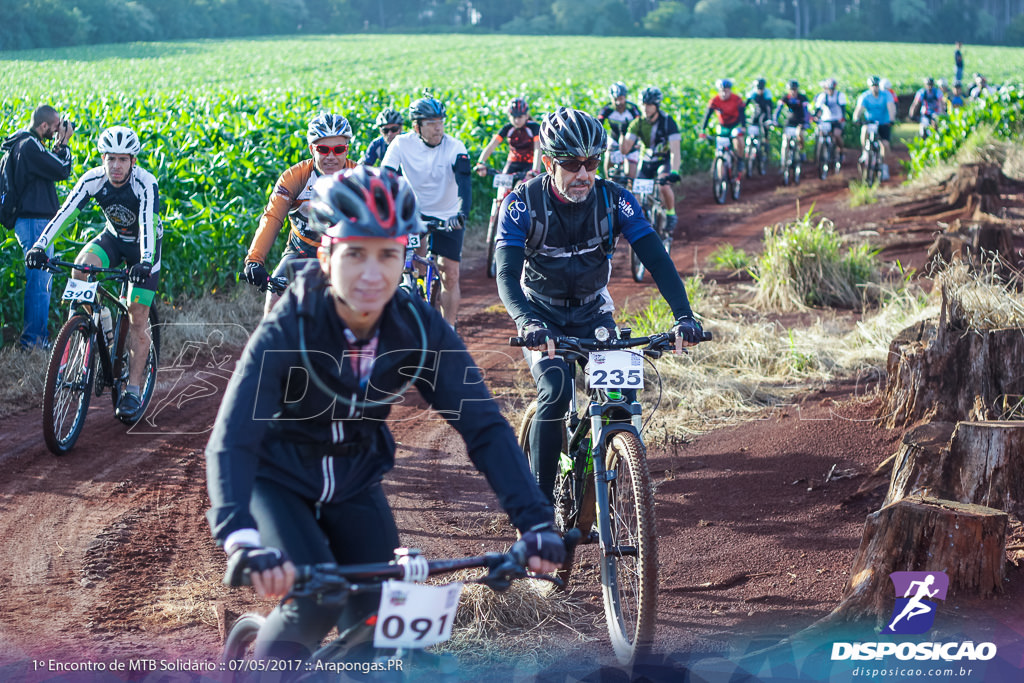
point(925, 534)
point(935, 373)
point(983, 464)
point(974, 190)
point(971, 244)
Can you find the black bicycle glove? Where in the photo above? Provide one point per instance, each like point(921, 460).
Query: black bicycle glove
point(253, 558)
point(140, 272)
point(457, 222)
point(36, 258)
point(673, 177)
point(544, 542)
point(689, 329)
point(256, 274)
point(534, 333)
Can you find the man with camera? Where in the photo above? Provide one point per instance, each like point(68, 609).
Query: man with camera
point(39, 156)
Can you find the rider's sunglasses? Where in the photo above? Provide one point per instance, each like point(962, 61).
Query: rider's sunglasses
point(391, 129)
point(326, 149)
point(573, 165)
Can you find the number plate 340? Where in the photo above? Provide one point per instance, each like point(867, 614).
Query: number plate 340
point(615, 370)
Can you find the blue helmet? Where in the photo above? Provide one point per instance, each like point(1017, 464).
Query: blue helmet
point(427, 108)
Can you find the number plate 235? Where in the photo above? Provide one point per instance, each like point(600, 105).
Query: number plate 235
point(414, 615)
point(615, 370)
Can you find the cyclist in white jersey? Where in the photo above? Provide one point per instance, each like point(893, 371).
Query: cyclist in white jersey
point(830, 107)
point(438, 168)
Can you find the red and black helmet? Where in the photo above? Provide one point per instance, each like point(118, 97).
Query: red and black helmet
point(518, 107)
point(364, 202)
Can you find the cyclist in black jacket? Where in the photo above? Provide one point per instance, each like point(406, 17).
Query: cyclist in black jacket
point(301, 443)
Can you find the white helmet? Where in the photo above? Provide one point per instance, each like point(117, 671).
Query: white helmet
point(119, 140)
point(326, 125)
point(886, 84)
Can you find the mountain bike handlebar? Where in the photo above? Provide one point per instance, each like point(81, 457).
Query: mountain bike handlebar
point(55, 265)
point(662, 341)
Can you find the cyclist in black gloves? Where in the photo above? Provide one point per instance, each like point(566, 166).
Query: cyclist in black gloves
point(294, 465)
point(555, 240)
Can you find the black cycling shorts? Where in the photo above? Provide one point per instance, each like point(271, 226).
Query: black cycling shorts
point(447, 243)
point(112, 251)
point(650, 170)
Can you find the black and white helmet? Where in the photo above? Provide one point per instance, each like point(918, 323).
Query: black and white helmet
point(327, 125)
point(119, 140)
point(569, 132)
point(651, 95)
point(617, 89)
point(389, 117)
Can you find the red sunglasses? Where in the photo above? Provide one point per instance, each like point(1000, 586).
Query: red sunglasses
point(337, 149)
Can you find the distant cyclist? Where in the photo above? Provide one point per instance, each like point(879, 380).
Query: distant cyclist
point(830, 107)
point(981, 87)
point(931, 103)
point(799, 115)
point(956, 96)
point(130, 201)
point(523, 137)
point(328, 137)
point(878, 107)
point(390, 124)
point(619, 114)
point(659, 135)
point(761, 97)
point(438, 168)
point(732, 118)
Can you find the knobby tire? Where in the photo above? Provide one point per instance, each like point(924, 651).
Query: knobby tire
point(152, 361)
point(68, 388)
point(719, 181)
point(238, 646)
point(492, 238)
point(629, 566)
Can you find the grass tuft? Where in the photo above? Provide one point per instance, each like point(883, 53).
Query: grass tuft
point(862, 194)
point(727, 257)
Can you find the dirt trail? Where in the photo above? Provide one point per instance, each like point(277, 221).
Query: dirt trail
point(108, 555)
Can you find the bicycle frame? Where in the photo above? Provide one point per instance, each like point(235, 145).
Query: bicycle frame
point(415, 264)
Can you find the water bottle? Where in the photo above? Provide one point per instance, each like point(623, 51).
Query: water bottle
point(107, 323)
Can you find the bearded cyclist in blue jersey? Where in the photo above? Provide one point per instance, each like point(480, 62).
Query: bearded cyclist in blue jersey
point(294, 468)
point(878, 107)
point(619, 114)
point(390, 124)
point(556, 237)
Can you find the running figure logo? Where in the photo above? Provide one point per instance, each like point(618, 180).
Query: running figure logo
point(914, 612)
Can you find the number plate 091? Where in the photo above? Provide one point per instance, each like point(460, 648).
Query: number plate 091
point(415, 615)
point(615, 370)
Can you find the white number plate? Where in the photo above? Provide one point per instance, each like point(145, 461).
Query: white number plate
point(415, 615)
point(414, 241)
point(790, 131)
point(753, 130)
point(79, 290)
point(872, 128)
point(825, 126)
point(723, 142)
point(503, 180)
point(615, 370)
point(643, 186)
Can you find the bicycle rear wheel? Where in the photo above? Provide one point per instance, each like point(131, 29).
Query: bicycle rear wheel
point(762, 159)
point(824, 159)
point(787, 165)
point(238, 646)
point(68, 388)
point(736, 186)
point(629, 566)
point(719, 180)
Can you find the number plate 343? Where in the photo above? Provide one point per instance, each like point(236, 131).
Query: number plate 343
point(615, 370)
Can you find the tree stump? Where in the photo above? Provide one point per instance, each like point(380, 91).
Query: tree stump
point(977, 462)
point(925, 534)
point(971, 244)
point(935, 373)
point(973, 191)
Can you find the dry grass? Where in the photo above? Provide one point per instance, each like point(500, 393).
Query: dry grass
point(980, 147)
point(981, 297)
point(183, 605)
point(515, 626)
point(21, 380)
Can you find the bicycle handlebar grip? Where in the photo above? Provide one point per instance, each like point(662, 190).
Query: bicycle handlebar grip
point(706, 336)
point(516, 341)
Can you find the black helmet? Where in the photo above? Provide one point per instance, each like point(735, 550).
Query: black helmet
point(794, 84)
point(364, 202)
point(617, 89)
point(929, 82)
point(389, 116)
point(571, 133)
point(875, 80)
point(427, 108)
point(651, 95)
point(760, 84)
point(518, 107)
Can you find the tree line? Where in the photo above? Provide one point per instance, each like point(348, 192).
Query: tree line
point(52, 23)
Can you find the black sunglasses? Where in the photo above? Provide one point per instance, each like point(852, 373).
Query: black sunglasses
point(573, 165)
point(391, 129)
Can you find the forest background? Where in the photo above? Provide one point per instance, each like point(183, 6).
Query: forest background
point(49, 23)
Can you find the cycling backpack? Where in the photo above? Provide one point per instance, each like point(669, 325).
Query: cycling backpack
point(538, 207)
point(9, 199)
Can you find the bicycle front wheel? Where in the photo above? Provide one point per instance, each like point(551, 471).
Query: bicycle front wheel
point(824, 160)
point(636, 267)
point(238, 646)
point(492, 237)
point(68, 388)
point(719, 180)
point(152, 359)
point(629, 565)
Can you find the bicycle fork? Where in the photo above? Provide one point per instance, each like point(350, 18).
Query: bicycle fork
point(604, 477)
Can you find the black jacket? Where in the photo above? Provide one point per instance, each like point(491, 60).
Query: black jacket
point(275, 424)
point(36, 169)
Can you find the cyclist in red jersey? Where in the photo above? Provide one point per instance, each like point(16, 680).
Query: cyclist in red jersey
point(731, 117)
point(523, 137)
